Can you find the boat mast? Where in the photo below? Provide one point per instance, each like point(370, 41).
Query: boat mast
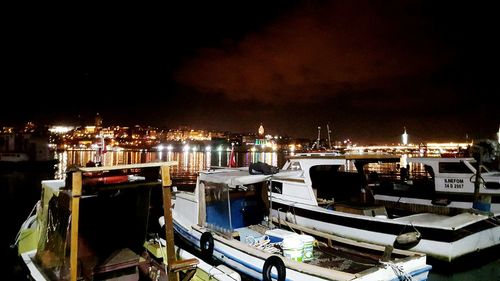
point(319, 137)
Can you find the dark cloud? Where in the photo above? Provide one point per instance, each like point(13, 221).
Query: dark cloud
point(367, 67)
point(362, 65)
point(316, 52)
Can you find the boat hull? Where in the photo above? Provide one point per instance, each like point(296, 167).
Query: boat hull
point(251, 262)
point(437, 241)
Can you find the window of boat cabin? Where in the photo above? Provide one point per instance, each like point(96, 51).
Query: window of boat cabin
point(377, 171)
point(473, 163)
point(295, 166)
point(228, 208)
point(334, 182)
point(454, 168)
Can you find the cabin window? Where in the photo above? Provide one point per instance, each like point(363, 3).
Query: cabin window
point(277, 187)
point(454, 168)
point(473, 163)
point(228, 208)
point(332, 182)
point(295, 166)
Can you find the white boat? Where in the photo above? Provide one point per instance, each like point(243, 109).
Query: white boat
point(93, 226)
point(19, 152)
point(327, 196)
point(227, 218)
point(433, 181)
point(13, 157)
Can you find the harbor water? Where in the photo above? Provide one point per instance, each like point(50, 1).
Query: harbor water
point(20, 190)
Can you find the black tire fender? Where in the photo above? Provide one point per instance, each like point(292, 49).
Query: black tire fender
point(276, 262)
point(207, 245)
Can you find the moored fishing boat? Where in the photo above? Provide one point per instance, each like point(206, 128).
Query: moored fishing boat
point(327, 195)
point(91, 228)
point(227, 218)
point(432, 181)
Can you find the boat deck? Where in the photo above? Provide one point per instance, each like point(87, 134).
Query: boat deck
point(442, 221)
point(336, 256)
point(339, 258)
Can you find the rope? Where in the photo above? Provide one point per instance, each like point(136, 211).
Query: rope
point(263, 244)
point(289, 226)
point(481, 180)
point(25, 225)
point(414, 228)
point(398, 270)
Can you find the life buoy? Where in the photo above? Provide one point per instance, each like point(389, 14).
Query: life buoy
point(276, 262)
point(207, 245)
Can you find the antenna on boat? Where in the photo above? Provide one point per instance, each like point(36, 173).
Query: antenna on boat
point(319, 137)
point(329, 132)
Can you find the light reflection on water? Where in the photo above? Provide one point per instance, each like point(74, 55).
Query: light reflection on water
point(189, 163)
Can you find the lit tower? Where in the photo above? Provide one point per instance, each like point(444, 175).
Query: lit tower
point(498, 134)
point(261, 130)
point(98, 121)
point(404, 137)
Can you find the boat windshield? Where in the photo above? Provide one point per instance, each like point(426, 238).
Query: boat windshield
point(230, 208)
point(294, 166)
point(473, 163)
point(454, 168)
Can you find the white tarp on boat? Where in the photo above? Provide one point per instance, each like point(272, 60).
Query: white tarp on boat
point(236, 177)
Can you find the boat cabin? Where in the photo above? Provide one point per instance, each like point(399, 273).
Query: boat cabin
point(439, 181)
point(327, 181)
point(94, 224)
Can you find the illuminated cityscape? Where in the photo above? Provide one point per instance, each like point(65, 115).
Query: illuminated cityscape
point(116, 137)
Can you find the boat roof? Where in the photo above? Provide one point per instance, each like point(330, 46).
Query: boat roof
point(241, 176)
point(317, 153)
point(128, 166)
point(361, 157)
point(373, 157)
point(439, 159)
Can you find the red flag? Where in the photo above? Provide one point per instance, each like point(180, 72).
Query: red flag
point(232, 159)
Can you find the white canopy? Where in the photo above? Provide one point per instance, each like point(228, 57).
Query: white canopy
point(241, 176)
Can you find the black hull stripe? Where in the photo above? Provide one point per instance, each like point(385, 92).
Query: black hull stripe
point(428, 233)
point(453, 197)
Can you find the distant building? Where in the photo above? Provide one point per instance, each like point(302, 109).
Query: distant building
point(29, 127)
point(107, 133)
point(58, 129)
point(90, 130)
point(184, 134)
point(7, 130)
point(248, 139)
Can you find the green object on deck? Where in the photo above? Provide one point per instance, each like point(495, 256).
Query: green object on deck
point(28, 240)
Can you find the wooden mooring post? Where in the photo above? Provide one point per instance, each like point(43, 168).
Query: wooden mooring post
point(173, 266)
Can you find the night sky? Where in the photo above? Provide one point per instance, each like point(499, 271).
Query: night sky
point(367, 68)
